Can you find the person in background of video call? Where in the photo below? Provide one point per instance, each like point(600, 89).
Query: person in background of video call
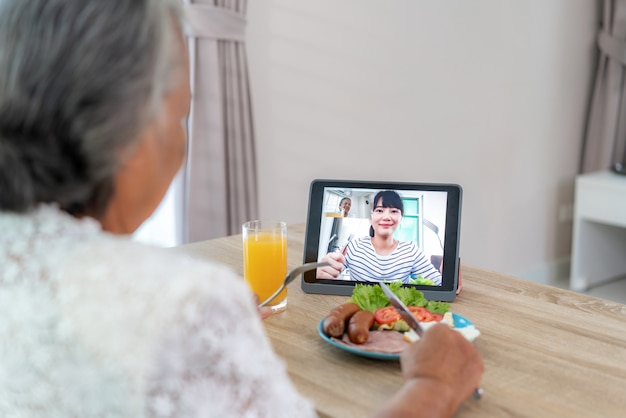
point(380, 256)
point(344, 206)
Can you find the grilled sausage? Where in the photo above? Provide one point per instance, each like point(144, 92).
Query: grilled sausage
point(335, 322)
point(359, 326)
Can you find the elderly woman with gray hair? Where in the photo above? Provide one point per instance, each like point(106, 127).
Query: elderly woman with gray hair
point(94, 96)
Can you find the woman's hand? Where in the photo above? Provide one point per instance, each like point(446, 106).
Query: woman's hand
point(336, 264)
point(264, 311)
point(441, 370)
point(445, 358)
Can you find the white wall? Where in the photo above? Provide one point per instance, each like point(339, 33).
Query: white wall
point(490, 94)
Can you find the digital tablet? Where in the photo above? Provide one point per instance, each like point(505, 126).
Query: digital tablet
point(383, 231)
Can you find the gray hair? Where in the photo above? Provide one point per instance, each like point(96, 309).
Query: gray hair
point(79, 79)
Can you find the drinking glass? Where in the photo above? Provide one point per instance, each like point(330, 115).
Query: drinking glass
point(265, 260)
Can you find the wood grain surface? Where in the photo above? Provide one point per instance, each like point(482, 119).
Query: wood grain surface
point(548, 352)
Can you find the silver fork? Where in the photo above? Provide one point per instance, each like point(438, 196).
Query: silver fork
point(291, 276)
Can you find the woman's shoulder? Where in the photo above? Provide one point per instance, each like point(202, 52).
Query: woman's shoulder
point(360, 244)
point(407, 244)
point(408, 248)
point(70, 252)
point(87, 270)
point(364, 240)
point(129, 288)
point(150, 269)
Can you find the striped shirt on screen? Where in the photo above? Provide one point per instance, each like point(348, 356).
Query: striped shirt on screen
point(403, 262)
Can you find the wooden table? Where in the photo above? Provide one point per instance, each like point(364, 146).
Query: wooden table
point(548, 352)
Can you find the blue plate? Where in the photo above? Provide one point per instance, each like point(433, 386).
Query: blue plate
point(350, 349)
point(459, 322)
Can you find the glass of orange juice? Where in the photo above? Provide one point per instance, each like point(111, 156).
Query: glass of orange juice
point(265, 260)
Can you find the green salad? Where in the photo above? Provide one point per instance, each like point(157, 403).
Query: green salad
point(371, 297)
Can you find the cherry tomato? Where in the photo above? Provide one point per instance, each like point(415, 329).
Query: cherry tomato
point(437, 316)
point(387, 315)
point(422, 314)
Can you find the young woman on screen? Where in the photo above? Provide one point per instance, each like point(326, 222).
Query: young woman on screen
point(380, 256)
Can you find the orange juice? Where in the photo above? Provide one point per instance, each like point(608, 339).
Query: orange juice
point(265, 263)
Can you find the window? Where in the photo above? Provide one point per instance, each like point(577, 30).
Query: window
point(411, 227)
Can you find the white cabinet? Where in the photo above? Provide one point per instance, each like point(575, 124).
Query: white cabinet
point(599, 236)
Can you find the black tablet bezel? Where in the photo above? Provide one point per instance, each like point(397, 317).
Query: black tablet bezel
point(445, 292)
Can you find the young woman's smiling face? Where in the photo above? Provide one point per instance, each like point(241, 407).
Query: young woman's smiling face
point(385, 220)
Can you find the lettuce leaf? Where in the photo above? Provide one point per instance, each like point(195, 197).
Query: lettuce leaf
point(411, 296)
point(369, 297)
point(438, 307)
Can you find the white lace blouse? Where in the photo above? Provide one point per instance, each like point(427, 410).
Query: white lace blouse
point(95, 325)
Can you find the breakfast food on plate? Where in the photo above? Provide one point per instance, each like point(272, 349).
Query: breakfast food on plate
point(389, 318)
point(359, 326)
point(368, 318)
point(335, 321)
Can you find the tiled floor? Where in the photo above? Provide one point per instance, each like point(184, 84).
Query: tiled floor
point(614, 290)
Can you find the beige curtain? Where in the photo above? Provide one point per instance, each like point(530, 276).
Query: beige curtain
point(605, 137)
point(220, 190)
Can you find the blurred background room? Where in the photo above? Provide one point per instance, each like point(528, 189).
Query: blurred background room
point(493, 95)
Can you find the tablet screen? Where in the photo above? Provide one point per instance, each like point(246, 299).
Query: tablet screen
point(383, 231)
